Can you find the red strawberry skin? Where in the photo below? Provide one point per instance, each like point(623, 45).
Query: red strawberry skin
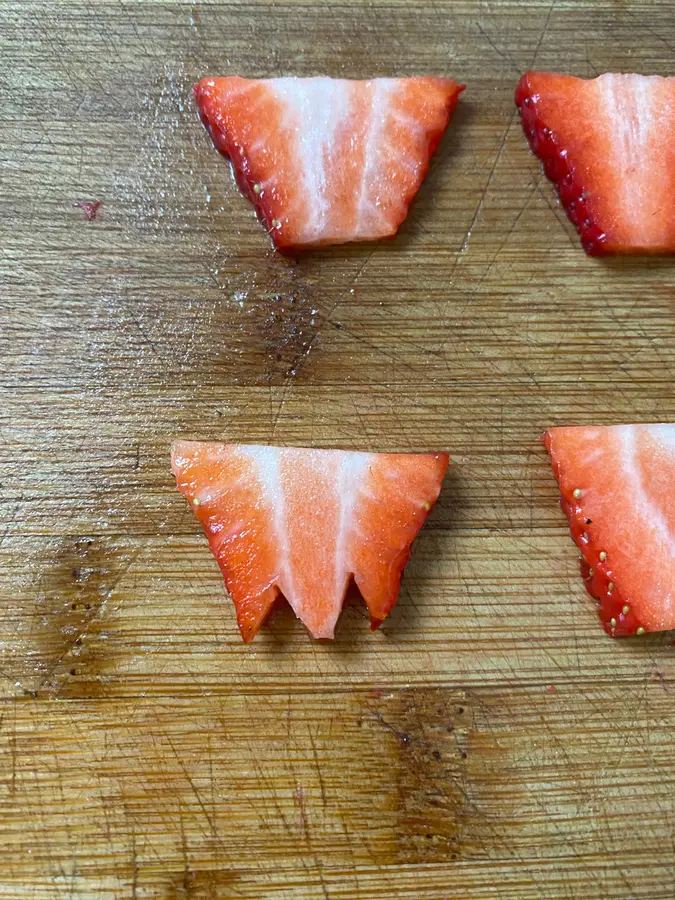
point(326, 161)
point(617, 487)
point(596, 572)
point(606, 143)
point(546, 144)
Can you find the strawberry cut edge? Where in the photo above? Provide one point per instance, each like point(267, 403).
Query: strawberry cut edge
point(249, 629)
point(546, 145)
point(235, 154)
point(616, 614)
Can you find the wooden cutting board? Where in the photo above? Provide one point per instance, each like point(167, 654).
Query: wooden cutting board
point(490, 740)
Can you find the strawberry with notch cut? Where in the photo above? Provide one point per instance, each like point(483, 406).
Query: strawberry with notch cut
point(327, 160)
point(617, 488)
point(303, 523)
point(607, 144)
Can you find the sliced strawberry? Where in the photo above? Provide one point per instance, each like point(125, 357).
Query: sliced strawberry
point(618, 491)
point(608, 144)
point(326, 160)
point(304, 522)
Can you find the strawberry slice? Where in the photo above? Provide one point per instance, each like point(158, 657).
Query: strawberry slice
point(608, 144)
point(326, 160)
point(618, 491)
point(302, 523)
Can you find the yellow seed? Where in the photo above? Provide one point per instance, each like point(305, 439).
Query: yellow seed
point(427, 506)
point(603, 556)
point(256, 188)
point(610, 587)
point(626, 610)
point(242, 151)
point(576, 493)
point(591, 572)
point(640, 630)
point(612, 622)
point(196, 501)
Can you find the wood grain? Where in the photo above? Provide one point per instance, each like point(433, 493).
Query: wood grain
point(489, 740)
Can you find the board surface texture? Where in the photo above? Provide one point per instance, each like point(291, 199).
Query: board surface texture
point(490, 740)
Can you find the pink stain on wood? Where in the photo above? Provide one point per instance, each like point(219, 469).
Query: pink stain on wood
point(661, 678)
point(90, 207)
point(300, 800)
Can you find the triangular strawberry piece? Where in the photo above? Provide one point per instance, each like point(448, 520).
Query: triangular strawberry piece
point(608, 144)
point(304, 522)
point(618, 491)
point(326, 160)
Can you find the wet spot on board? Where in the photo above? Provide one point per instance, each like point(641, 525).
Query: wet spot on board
point(428, 733)
point(75, 579)
point(433, 786)
point(175, 186)
point(199, 885)
point(288, 329)
point(272, 334)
